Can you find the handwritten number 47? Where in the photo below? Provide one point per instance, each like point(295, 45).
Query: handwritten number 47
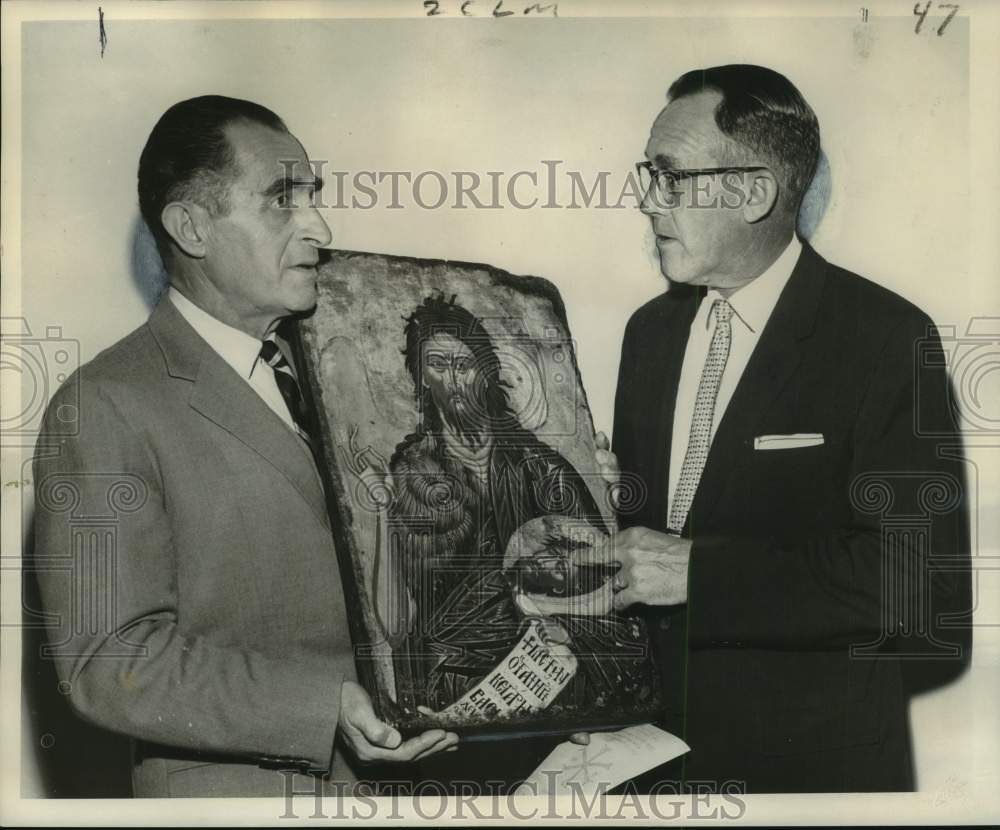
point(922, 14)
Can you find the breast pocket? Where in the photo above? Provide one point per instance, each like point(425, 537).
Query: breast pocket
point(794, 441)
point(781, 452)
point(799, 481)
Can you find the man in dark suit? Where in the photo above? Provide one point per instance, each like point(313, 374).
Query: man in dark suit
point(803, 547)
point(183, 547)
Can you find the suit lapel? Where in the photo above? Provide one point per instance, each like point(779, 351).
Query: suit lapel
point(771, 366)
point(226, 399)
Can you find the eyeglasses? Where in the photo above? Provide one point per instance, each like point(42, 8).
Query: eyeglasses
point(668, 181)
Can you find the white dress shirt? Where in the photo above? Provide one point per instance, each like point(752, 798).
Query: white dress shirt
point(752, 306)
point(238, 349)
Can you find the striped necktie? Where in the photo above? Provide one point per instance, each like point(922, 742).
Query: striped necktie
point(700, 438)
point(289, 388)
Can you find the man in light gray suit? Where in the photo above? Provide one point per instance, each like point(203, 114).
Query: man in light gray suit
point(207, 622)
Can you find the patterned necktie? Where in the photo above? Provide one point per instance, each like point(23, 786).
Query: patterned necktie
point(700, 438)
point(289, 388)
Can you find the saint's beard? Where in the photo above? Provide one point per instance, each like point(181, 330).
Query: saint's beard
point(467, 421)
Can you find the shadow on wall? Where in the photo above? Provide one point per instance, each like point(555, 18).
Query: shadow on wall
point(816, 200)
point(148, 273)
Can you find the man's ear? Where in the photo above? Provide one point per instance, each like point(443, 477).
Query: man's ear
point(187, 224)
point(762, 195)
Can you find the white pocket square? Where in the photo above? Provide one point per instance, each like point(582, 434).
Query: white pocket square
point(788, 442)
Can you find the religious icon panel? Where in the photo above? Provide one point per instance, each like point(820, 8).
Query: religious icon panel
point(471, 523)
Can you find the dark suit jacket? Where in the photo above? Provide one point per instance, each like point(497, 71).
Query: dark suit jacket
point(184, 551)
point(811, 568)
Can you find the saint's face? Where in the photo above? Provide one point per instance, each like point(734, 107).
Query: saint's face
point(450, 372)
point(262, 256)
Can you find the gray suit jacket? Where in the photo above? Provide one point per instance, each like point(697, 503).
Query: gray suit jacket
point(184, 554)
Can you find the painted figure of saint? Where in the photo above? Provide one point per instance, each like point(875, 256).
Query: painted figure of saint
point(469, 480)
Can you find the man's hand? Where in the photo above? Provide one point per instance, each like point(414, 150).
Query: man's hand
point(653, 566)
point(607, 464)
point(372, 740)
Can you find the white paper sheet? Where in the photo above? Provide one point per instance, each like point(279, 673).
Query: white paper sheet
point(609, 759)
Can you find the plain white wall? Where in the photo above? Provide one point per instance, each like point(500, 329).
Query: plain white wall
point(483, 95)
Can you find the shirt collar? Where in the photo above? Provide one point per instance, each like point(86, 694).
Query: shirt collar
point(754, 302)
point(236, 347)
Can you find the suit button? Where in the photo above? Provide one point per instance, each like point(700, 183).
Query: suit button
point(664, 623)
